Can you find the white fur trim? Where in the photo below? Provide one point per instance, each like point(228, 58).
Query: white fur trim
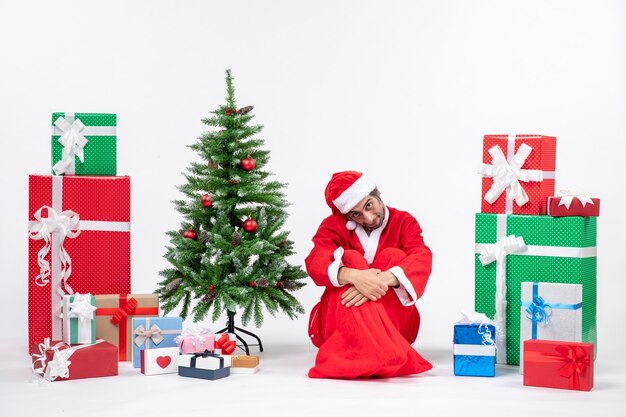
point(406, 293)
point(333, 269)
point(355, 193)
point(350, 225)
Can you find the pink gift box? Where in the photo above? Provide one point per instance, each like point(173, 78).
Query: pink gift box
point(192, 343)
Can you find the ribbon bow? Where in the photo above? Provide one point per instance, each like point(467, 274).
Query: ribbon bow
point(65, 224)
point(567, 196)
point(81, 308)
point(205, 354)
point(123, 312)
point(225, 343)
point(576, 361)
point(538, 311)
point(154, 334)
point(58, 367)
point(508, 175)
point(73, 143)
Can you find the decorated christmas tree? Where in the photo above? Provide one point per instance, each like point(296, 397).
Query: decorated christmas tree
point(230, 253)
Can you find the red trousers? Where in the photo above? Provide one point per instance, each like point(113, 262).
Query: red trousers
point(372, 340)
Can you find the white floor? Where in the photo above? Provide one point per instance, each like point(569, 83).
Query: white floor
point(281, 388)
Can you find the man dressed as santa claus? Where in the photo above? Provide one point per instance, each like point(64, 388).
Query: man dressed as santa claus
point(374, 264)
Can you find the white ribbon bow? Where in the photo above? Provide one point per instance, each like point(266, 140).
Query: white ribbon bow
point(65, 224)
point(81, 308)
point(497, 252)
point(567, 196)
point(508, 175)
point(154, 333)
point(73, 143)
point(58, 367)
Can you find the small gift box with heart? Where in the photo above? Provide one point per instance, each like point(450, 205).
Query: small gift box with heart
point(79, 321)
point(154, 332)
point(474, 346)
point(570, 203)
point(196, 340)
point(206, 365)
point(159, 361)
point(84, 144)
point(558, 364)
point(58, 361)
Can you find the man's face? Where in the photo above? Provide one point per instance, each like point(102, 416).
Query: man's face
point(369, 213)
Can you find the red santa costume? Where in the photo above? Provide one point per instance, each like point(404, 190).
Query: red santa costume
point(373, 339)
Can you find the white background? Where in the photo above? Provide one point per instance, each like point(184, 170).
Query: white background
point(403, 90)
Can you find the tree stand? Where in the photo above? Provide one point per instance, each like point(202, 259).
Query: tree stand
point(230, 328)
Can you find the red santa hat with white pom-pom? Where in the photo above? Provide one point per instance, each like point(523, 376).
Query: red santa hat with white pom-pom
point(345, 190)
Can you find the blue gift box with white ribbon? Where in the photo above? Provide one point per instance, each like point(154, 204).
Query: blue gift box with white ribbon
point(550, 311)
point(154, 332)
point(474, 349)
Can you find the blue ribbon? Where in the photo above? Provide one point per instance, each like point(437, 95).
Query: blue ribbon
point(207, 353)
point(538, 311)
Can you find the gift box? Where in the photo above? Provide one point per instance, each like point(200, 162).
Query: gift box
point(550, 312)
point(511, 249)
point(474, 349)
point(244, 364)
point(569, 204)
point(154, 332)
point(205, 365)
point(79, 231)
point(195, 340)
point(225, 344)
point(84, 144)
point(558, 364)
point(159, 361)
point(114, 318)
point(79, 321)
point(518, 173)
point(58, 361)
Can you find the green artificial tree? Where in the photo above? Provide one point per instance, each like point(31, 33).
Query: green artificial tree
point(230, 254)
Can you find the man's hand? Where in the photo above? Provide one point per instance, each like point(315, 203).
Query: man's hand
point(352, 297)
point(366, 281)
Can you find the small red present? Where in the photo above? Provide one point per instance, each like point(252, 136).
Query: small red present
point(58, 361)
point(518, 173)
point(226, 343)
point(558, 364)
point(568, 203)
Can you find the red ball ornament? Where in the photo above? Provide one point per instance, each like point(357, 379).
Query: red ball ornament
point(206, 201)
point(233, 182)
point(227, 111)
point(211, 287)
point(190, 234)
point(247, 164)
point(251, 284)
point(249, 225)
point(279, 284)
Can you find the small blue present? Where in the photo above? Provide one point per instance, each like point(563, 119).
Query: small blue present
point(154, 332)
point(475, 348)
point(207, 365)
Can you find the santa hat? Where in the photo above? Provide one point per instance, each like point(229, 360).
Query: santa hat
point(344, 191)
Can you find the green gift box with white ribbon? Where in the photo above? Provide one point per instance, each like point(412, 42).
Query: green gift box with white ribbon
point(511, 249)
point(79, 319)
point(84, 144)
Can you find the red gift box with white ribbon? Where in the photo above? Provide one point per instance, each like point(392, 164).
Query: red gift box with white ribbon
point(571, 203)
point(79, 229)
point(518, 173)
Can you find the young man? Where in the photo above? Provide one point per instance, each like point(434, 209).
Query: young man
point(374, 264)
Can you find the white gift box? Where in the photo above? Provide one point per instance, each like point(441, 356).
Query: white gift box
point(550, 312)
point(159, 361)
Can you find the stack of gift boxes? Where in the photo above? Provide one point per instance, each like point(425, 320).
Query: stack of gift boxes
point(535, 264)
point(82, 318)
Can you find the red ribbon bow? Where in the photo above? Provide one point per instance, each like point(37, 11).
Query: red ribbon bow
point(123, 312)
point(576, 361)
point(228, 346)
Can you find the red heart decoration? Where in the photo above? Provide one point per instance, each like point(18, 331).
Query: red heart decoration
point(163, 361)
